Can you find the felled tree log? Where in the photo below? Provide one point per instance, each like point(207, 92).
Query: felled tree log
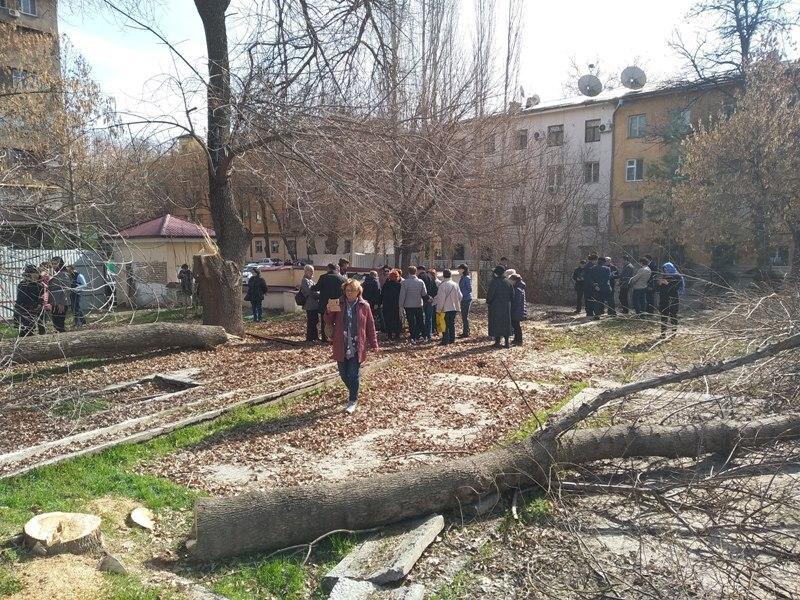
point(285, 517)
point(114, 341)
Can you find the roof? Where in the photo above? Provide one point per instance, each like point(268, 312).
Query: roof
point(167, 226)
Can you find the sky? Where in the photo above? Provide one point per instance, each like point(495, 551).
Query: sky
point(130, 64)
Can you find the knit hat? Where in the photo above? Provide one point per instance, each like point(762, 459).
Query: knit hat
point(499, 270)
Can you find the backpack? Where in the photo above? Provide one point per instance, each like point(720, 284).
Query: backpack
point(300, 298)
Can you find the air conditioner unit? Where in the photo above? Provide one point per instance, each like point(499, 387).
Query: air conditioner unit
point(13, 12)
point(606, 127)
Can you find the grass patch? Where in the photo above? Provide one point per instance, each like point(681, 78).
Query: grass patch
point(76, 407)
point(283, 577)
point(531, 425)
point(127, 587)
point(462, 586)
point(9, 584)
point(67, 485)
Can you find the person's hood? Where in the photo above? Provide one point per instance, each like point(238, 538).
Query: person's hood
point(499, 270)
point(520, 284)
point(670, 269)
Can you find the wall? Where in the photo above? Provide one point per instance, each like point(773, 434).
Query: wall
point(152, 288)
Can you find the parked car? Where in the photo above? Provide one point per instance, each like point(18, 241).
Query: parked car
point(267, 262)
point(247, 272)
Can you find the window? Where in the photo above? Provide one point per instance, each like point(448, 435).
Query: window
point(632, 212)
point(258, 216)
point(685, 119)
point(589, 215)
point(28, 6)
point(2, 3)
point(490, 145)
point(20, 78)
point(555, 135)
point(591, 172)
point(459, 252)
point(585, 251)
point(553, 214)
point(17, 157)
point(592, 131)
point(516, 250)
point(348, 246)
point(555, 177)
point(518, 214)
point(274, 246)
point(779, 256)
point(553, 253)
point(521, 139)
point(636, 126)
point(291, 247)
point(634, 169)
point(259, 246)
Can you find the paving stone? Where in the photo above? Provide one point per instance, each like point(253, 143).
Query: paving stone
point(391, 556)
point(349, 589)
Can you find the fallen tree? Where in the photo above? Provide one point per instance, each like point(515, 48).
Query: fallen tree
point(114, 341)
point(289, 516)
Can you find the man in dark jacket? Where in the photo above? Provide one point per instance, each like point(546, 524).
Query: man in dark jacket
point(624, 283)
point(498, 299)
point(329, 287)
point(256, 290)
point(651, 285)
point(577, 280)
point(59, 285)
point(429, 310)
point(186, 280)
point(602, 281)
point(28, 306)
point(371, 292)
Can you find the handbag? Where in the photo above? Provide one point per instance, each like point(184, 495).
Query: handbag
point(333, 305)
point(440, 324)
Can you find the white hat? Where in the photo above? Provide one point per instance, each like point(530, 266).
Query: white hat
point(509, 273)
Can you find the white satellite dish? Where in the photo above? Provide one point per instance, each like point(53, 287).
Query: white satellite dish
point(532, 100)
point(590, 85)
point(633, 78)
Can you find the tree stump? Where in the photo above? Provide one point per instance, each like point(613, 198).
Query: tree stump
point(64, 533)
point(219, 286)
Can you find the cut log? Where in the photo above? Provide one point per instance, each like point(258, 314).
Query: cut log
point(142, 517)
point(288, 516)
point(114, 341)
point(63, 533)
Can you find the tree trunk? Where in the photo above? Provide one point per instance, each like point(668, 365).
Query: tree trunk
point(232, 237)
point(219, 286)
point(115, 341)
point(793, 276)
point(285, 517)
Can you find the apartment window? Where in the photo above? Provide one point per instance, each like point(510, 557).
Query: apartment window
point(2, 3)
point(459, 252)
point(258, 216)
point(259, 246)
point(589, 215)
point(592, 131)
point(591, 172)
point(17, 157)
point(490, 146)
point(685, 119)
point(632, 212)
point(636, 126)
point(553, 214)
point(274, 246)
point(553, 253)
point(291, 247)
point(19, 77)
point(28, 7)
point(779, 256)
point(634, 169)
point(518, 214)
point(521, 139)
point(555, 135)
point(348, 246)
point(585, 251)
point(555, 177)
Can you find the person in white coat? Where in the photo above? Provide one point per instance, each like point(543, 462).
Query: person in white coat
point(448, 301)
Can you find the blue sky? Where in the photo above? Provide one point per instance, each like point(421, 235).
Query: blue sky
point(131, 65)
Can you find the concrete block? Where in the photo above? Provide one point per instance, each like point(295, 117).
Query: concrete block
point(349, 589)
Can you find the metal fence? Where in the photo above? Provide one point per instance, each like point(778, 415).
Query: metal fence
point(13, 260)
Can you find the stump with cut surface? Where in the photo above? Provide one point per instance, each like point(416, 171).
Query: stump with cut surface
point(64, 533)
point(114, 341)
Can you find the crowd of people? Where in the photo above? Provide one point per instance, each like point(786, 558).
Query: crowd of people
point(597, 277)
point(49, 292)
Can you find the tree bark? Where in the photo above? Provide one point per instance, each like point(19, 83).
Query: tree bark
point(793, 276)
point(285, 517)
point(219, 286)
point(115, 341)
point(232, 237)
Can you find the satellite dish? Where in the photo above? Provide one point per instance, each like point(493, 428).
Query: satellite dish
point(532, 101)
point(590, 85)
point(633, 78)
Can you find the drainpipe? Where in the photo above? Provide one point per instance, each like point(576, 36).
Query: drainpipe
point(620, 102)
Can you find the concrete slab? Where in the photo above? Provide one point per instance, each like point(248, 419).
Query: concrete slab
point(389, 557)
point(349, 589)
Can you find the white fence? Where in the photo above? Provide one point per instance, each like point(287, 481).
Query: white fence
point(13, 261)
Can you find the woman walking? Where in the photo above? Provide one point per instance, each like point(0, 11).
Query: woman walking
point(310, 304)
point(448, 300)
point(498, 299)
point(390, 301)
point(465, 285)
point(670, 285)
point(519, 308)
point(353, 335)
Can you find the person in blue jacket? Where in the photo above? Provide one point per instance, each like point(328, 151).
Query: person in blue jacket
point(465, 285)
